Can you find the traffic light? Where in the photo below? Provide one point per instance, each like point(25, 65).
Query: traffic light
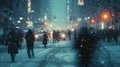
point(105, 16)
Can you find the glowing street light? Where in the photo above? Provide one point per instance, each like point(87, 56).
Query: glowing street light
point(45, 17)
point(32, 11)
point(105, 16)
point(21, 18)
point(76, 24)
point(18, 21)
point(92, 21)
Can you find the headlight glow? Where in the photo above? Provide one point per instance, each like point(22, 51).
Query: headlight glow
point(36, 36)
point(63, 36)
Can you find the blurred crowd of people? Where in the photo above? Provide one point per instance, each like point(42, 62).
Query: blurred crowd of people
point(108, 35)
point(86, 40)
point(56, 36)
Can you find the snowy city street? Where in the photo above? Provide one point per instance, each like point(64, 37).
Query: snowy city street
point(62, 54)
point(59, 33)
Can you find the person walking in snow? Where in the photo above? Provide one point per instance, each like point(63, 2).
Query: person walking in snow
point(13, 44)
point(30, 39)
point(86, 41)
point(45, 39)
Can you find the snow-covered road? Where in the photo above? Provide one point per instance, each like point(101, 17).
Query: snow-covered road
point(62, 54)
point(55, 55)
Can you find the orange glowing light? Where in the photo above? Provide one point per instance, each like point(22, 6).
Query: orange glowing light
point(105, 16)
point(92, 21)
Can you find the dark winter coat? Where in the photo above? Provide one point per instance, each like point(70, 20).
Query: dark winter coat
point(86, 39)
point(45, 38)
point(12, 42)
point(30, 39)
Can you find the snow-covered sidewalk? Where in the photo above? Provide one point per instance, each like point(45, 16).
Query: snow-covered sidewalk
point(114, 52)
point(107, 55)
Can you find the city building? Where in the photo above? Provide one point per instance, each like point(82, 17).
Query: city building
point(20, 13)
point(6, 13)
point(13, 13)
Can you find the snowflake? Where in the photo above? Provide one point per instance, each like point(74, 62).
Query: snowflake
point(111, 59)
point(101, 48)
point(118, 47)
point(105, 47)
point(2, 57)
point(102, 62)
point(11, 65)
point(96, 51)
point(81, 45)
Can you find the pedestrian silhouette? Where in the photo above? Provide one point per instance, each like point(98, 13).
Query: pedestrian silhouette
point(115, 36)
point(13, 44)
point(45, 39)
point(20, 36)
point(30, 43)
point(57, 36)
point(54, 36)
point(86, 41)
point(69, 34)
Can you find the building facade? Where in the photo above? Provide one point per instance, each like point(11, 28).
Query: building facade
point(6, 13)
point(10, 13)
